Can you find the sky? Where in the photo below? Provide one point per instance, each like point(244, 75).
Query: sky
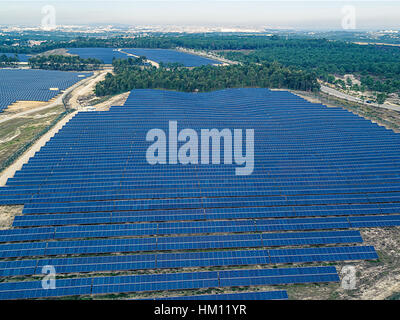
point(311, 14)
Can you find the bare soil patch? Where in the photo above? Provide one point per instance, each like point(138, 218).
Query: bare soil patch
point(21, 106)
point(7, 214)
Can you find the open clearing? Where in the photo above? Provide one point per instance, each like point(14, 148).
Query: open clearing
point(17, 132)
point(7, 214)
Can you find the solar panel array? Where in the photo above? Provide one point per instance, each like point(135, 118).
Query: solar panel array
point(168, 281)
point(180, 260)
point(106, 55)
point(172, 56)
point(158, 55)
point(92, 203)
point(34, 85)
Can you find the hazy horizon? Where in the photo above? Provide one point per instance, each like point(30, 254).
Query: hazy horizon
point(299, 15)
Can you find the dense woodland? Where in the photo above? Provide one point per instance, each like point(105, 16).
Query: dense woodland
point(377, 66)
point(197, 41)
point(64, 63)
point(129, 76)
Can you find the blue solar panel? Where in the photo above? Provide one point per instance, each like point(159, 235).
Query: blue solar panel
point(34, 289)
point(278, 276)
point(176, 228)
point(322, 254)
point(375, 221)
point(106, 55)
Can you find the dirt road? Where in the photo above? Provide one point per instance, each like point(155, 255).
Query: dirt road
point(348, 97)
point(153, 63)
point(85, 90)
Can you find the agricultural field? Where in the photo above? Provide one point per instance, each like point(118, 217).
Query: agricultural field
point(114, 226)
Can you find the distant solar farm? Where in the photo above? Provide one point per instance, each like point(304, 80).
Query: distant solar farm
point(106, 55)
point(172, 56)
point(110, 223)
point(158, 55)
point(34, 85)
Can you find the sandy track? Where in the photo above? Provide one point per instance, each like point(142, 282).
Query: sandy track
point(86, 89)
point(153, 63)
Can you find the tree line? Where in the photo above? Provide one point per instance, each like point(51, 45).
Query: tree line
point(64, 63)
point(204, 78)
point(6, 61)
point(203, 41)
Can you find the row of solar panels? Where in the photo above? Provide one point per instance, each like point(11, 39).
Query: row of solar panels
point(134, 192)
point(168, 184)
point(310, 190)
point(117, 245)
point(135, 230)
point(327, 168)
point(205, 203)
point(283, 170)
point(292, 196)
point(185, 260)
point(276, 188)
point(355, 213)
point(167, 228)
point(167, 281)
point(35, 170)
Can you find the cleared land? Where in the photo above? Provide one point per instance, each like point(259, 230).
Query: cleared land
point(7, 214)
point(15, 133)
